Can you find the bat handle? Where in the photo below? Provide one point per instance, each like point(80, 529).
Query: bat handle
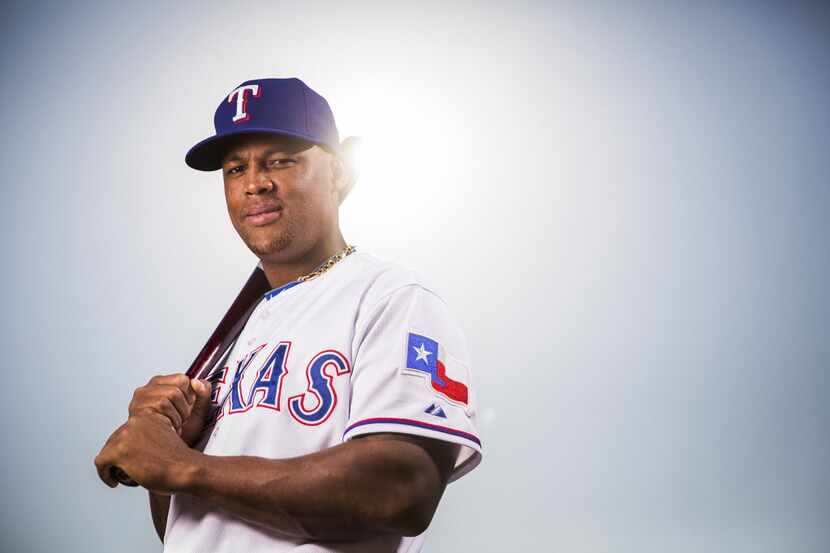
point(122, 477)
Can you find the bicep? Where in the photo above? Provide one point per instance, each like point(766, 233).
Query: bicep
point(415, 472)
point(431, 456)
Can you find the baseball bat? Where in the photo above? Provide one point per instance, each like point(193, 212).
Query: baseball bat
point(220, 341)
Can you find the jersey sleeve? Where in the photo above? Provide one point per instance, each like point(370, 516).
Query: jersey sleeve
point(411, 374)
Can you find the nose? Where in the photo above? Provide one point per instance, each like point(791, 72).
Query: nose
point(258, 182)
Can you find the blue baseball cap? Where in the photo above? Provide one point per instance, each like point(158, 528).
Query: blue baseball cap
point(286, 107)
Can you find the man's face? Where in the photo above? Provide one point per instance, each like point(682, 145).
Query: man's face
point(281, 194)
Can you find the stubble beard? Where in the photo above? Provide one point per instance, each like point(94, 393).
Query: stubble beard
point(268, 245)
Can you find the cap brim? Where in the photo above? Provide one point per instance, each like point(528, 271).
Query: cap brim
point(207, 154)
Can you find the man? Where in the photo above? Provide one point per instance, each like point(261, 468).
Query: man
point(344, 407)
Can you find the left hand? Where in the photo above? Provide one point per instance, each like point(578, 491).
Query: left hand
point(149, 449)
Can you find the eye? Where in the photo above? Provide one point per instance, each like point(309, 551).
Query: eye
point(281, 162)
point(235, 169)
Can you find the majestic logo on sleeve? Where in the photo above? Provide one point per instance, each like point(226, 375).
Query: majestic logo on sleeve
point(424, 356)
point(436, 411)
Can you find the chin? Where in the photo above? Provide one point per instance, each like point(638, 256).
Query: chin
point(266, 247)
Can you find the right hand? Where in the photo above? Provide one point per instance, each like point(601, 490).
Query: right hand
point(185, 402)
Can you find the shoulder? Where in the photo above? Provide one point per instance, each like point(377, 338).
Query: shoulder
point(394, 297)
point(380, 278)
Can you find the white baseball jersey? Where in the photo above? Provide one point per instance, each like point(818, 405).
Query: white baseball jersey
point(365, 347)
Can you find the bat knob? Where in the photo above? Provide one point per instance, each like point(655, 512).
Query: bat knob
point(122, 477)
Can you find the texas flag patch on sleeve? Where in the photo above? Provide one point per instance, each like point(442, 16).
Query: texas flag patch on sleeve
point(426, 358)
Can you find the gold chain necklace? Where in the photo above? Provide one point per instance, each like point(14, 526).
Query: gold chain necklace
point(328, 264)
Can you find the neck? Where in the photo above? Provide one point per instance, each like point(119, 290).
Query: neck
point(281, 270)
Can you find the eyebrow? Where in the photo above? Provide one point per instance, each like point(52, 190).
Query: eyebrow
point(234, 157)
point(269, 152)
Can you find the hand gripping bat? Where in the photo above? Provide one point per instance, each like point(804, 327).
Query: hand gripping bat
point(220, 341)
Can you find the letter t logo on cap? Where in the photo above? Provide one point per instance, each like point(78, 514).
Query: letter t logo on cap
point(242, 100)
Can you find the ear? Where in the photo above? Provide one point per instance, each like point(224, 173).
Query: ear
point(344, 167)
point(340, 176)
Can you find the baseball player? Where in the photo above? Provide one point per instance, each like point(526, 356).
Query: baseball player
point(344, 407)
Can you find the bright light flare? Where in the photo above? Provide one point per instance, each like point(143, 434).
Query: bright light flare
point(410, 159)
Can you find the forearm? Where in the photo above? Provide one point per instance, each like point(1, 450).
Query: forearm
point(159, 506)
point(343, 493)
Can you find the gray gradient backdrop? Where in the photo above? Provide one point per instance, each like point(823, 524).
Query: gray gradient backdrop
point(626, 205)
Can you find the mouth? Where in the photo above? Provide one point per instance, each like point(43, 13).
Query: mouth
point(259, 216)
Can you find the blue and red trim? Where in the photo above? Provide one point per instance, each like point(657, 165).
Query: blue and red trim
point(417, 424)
point(275, 291)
